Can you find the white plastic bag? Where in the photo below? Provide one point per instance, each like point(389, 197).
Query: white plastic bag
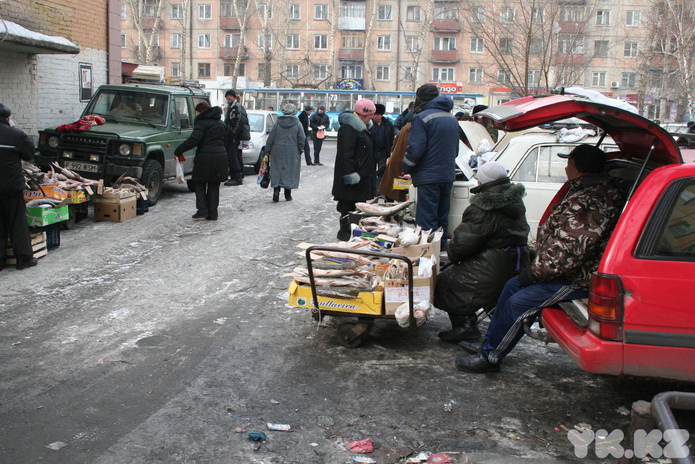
point(421, 311)
point(179, 171)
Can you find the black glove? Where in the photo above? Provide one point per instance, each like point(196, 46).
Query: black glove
point(526, 277)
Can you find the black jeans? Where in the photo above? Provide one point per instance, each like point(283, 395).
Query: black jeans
point(207, 197)
point(235, 160)
point(318, 143)
point(307, 152)
point(13, 223)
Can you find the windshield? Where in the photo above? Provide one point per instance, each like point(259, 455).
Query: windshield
point(129, 106)
point(257, 122)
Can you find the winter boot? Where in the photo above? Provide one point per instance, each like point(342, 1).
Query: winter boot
point(344, 232)
point(462, 328)
point(288, 194)
point(276, 194)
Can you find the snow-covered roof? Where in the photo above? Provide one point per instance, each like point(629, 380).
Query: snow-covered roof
point(15, 38)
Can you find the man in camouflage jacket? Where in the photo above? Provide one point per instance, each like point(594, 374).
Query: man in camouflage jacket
point(569, 246)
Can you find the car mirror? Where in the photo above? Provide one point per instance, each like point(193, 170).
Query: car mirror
point(185, 124)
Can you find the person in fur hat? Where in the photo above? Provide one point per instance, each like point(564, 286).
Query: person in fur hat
point(488, 248)
point(354, 172)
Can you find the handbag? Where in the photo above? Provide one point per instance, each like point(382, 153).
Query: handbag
point(264, 172)
point(321, 134)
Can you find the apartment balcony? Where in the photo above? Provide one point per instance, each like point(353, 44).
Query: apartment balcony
point(229, 23)
point(351, 24)
point(230, 53)
point(444, 56)
point(148, 23)
point(351, 54)
point(446, 25)
point(155, 54)
point(569, 59)
point(572, 27)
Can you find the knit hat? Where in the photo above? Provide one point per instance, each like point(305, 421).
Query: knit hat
point(425, 94)
point(4, 111)
point(492, 170)
point(308, 108)
point(365, 107)
point(380, 109)
point(230, 92)
point(288, 109)
point(587, 158)
point(478, 108)
point(322, 108)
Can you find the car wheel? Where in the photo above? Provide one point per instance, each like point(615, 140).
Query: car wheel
point(152, 178)
point(257, 166)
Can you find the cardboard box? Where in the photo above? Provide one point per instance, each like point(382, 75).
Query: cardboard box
point(115, 209)
point(110, 197)
point(402, 184)
point(366, 303)
point(77, 196)
point(38, 216)
point(47, 191)
point(419, 251)
point(396, 291)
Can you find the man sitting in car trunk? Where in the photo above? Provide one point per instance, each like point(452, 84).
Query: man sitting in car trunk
point(569, 247)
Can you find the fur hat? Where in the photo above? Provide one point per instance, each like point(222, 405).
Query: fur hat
point(587, 158)
point(492, 170)
point(425, 94)
point(288, 109)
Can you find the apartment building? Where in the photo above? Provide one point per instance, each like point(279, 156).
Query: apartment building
point(498, 48)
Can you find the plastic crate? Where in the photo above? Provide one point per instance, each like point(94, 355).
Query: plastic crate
point(142, 206)
point(52, 235)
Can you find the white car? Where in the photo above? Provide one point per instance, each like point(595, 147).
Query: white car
point(260, 121)
point(530, 157)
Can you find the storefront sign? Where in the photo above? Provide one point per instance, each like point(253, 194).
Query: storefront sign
point(350, 84)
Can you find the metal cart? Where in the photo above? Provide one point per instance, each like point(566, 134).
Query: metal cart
point(351, 334)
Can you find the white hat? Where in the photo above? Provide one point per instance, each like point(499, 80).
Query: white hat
point(490, 171)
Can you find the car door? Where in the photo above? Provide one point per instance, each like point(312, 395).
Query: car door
point(182, 128)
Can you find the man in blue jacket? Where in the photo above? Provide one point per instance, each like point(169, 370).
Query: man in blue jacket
point(430, 158)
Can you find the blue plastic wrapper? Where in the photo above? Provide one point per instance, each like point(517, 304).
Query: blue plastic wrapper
point(259, 436)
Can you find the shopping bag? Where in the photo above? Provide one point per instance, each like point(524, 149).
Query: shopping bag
point(264, 172)
point(179, 171)
point(320, 134)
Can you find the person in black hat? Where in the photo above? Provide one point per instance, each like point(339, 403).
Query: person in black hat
point(569, 247)
point(492, 130)
point(238, 130)
point(319, 123)
point(382, 139)
point(15, 146)
point(304, 119)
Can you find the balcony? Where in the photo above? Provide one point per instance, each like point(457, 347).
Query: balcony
point(444, 56)
point(351, 54)
point(148, 22)
point(229, 23)
point(351, 23)
point(230, 53)
point(446, 25)
point(569, 59)
point(572, 27)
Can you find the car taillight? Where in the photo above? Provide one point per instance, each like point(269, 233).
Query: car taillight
point(606, 306)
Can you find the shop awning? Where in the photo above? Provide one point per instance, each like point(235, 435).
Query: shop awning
point(18, 39)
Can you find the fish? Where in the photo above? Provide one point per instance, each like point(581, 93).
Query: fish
point(386, 209)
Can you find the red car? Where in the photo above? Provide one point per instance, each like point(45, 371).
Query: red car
point(640, 315)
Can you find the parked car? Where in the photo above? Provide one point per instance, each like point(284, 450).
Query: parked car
point(260, 121)
point(144, 123)
point(638, 319)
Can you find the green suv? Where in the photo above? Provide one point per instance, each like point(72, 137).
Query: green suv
point(144, 123)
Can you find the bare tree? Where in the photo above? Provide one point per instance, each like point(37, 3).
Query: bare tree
point(415, 41)
point(147, 19)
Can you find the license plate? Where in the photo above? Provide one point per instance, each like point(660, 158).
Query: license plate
point(85, 167)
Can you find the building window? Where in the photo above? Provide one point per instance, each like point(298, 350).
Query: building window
point(603, 17)
point(384, 13)
point(383, 73)
point(630, 50)
point(320, 72)
point(628, 80)
point(656, 78)
point(320, 42)
point(536, 46)
point(443, 74)
point(352, 10)
point(228, 9)
point(265, 42)
point(203, 40)
point(479, 15)
point(352, 40)
point(176, 11)
point(124, 12)
point(175, 69)
point(408, 74)
point(204, 12)
point(534, 77)
point(229, 69)
point(504, 76)
point(292, 71)
point(598, 79)
point(570, 44)
point(412, 43)
point(601, 48)
point(351, 72)
point(475, 75)
point(123, 41)
point(412, 13)
point(203, 69)
point(445, 43)
point(506, 45)
point(507, 15)
point(444, 12)
point(265, 11)
point(383, 43)
point(232, 40)
point(634, 18)
point(537, 15)
point(263, 70)
point(176, 40)
point(149, 8)
point(292, 42)
point(295, 12)
point(477, 45)
point(320, 12)
point(571, 14)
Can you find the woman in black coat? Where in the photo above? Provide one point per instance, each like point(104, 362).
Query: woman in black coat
point(355, 165)
point(210, 166)
point(487, 249)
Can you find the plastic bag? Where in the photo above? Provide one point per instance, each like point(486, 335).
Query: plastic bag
point(179, 171)
point(264, 172)
point(320, 134)
point(421, 311)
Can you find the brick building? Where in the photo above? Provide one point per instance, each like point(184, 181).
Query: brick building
point(53, 54)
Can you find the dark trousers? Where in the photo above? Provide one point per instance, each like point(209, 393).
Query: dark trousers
point(433, 203)
point(235, 160)
point(307, 152)
point(318, 143)
point(207, 197)
point(13, 223)
point(515, 304)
